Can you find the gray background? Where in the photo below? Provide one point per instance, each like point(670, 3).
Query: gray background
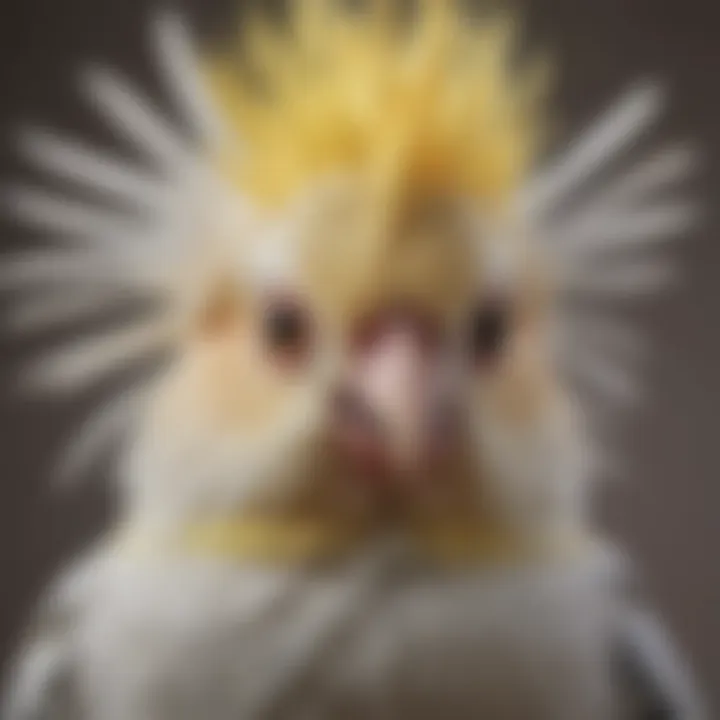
point(666, 503)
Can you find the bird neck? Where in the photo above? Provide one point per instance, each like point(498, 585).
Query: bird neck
point(302, 540)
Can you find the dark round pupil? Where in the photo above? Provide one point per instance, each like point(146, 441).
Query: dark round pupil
point(488, 331)
point(285, 328)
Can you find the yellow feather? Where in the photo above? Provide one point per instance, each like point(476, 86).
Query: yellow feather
point(291, 541)
point(431, 108)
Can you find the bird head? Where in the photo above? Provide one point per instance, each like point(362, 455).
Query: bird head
point(349, 269)
point(377, 334)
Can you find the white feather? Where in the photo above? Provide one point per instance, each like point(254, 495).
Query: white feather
point(625, 280)
point(611, 337)
point(599, 376)
point(178, 61)
point(666, 167)
point(76, 223)
point(131, 244)
point(102, 428)
point(132, 115)
point(605, 248)
point(84, 363)
point(613, 132)
point(600, 230)
point(360, 636)
point(95, 169)
point(72, 269)
point(64, 307)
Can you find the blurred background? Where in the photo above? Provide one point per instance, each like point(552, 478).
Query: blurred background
point(664, 502)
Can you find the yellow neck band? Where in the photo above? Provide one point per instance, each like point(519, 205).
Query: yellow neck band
point(292, 541)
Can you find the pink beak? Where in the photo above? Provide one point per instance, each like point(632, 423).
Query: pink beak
point(391, 416)
point(393, 380)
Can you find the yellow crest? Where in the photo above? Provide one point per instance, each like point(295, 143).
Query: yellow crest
point(430, 104)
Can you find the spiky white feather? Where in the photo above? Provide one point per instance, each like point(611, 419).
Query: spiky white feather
point(596, 147)
point(135, 119)
point(606, 242)
point(63, 308)
point(87, 167)
point(604, 229)
point(83, 363)
point(101, 430)
point(69, 269)
point(176, 59)
point(74, 223)
point(133, 246)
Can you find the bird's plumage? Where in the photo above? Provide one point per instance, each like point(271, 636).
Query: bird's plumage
point(366, 178)
point(382, 635)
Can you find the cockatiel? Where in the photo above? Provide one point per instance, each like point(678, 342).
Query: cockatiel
point(354, 483)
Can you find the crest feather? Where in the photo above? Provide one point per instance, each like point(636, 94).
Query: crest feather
point(430, 105)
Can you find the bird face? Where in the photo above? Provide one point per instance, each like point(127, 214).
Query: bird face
point(376, 358)
point(372, 343)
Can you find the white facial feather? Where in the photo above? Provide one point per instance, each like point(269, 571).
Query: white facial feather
point(618, 128)
point(160, 221)
point(606, 246)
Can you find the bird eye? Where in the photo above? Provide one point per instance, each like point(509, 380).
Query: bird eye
point(288, 330)
point(488, 331)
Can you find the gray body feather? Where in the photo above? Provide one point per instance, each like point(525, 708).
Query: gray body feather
point(380, 637)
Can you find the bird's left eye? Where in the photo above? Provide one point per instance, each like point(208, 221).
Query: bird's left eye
point(288, 330)
point(488, 330)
